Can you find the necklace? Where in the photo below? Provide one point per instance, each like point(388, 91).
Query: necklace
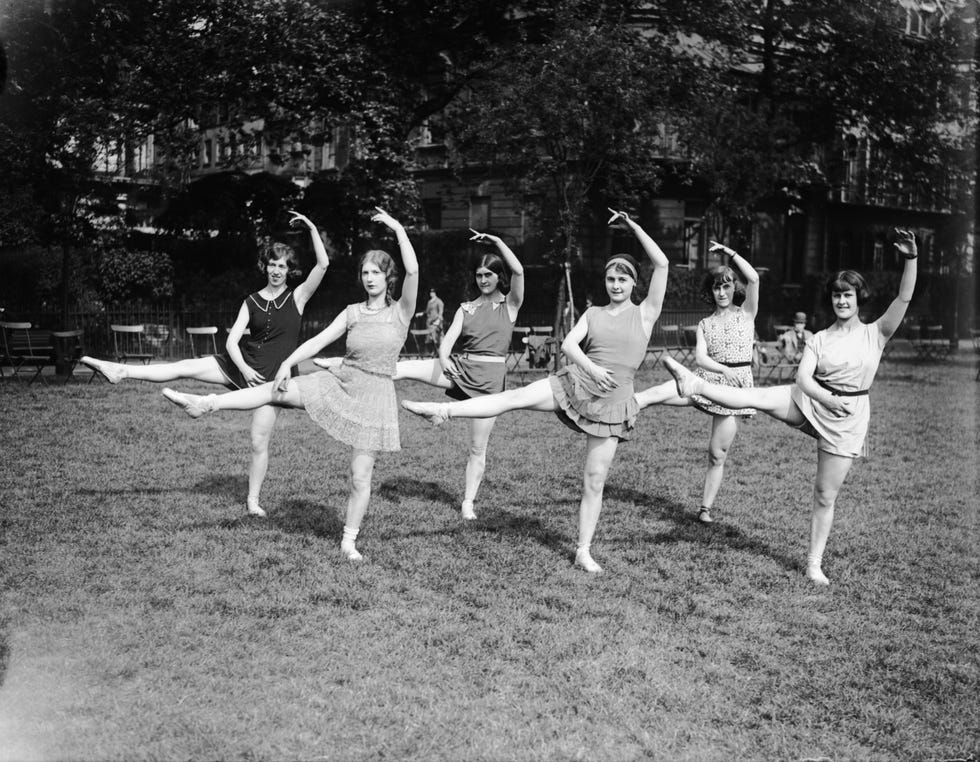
point(372, 310)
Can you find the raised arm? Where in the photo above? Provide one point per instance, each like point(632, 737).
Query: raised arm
point(889, 322)
point(751, 303)
point(651, 306)
point(303, 292)
point(516, 296)
point(410, 286)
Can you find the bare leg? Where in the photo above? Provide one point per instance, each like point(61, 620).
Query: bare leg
point(361, 470)
point(535, 396)
point(723, 430)
point(776, 401)
point(199, 369)
point(600, 452)
point(241, 399)
point(476, 463)
point(263, 419)
point(661, 394)
point(427, 371)
point(831, 472)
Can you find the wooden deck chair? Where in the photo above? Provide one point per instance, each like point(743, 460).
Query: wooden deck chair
point(26, 348)
point(128, 343)
point(203, 338)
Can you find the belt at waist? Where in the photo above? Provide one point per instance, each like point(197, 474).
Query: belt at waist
point(482, 358)
point(745, 364)
point(841, 392)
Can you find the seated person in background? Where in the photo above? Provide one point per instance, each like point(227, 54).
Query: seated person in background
point(791, 342)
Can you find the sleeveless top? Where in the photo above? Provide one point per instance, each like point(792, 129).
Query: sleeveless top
point(273, 326)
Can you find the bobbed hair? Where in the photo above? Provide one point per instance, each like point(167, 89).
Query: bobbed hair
point(620, 267)
point(386, 264)
point(277, 250)
point(718, 275)
point(844, 280)
point(495, 264)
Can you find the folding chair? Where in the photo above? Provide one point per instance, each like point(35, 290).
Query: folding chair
point(200, 335)
point(674, 343)
point(69, 349)
point(128, 343)
point(25, 348)
point(416, 343)
point(518, 346)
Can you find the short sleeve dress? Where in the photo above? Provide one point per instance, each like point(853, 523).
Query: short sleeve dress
point(486, 333)
point(617, 343)
point(846, 361)
point(355, 401)
point(273, 326)
point(728, 338)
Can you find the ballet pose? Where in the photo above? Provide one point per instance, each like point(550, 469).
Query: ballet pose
point(353, 402)
point(594, 394)
point(723, 354)
point(482, 329)
point(272, 316)
point(829, 400)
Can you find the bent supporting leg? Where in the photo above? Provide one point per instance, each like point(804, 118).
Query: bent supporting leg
point(600, 452)
point(831, 472)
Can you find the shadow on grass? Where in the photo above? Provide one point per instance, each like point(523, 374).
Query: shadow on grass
point(401, 488)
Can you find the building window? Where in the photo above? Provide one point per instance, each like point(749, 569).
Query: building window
point(432, 211)
point(480, 213)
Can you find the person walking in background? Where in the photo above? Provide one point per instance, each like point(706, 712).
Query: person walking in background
point(594, 394)
point(434, 309)
point(792, 342)
point(482, 328)
point(829, 400)
point(353, 402)
point(723, 354)
point(272, 316)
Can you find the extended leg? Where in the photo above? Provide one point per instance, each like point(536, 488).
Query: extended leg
point(200, 369)
point(263, 420)
point(426, 371)
point(253, 397)
point(723, 430)
point(476, 463)
point(536, 396)
point(831, 472)
point(661, 394)
point(600, 452)
point(361, 470)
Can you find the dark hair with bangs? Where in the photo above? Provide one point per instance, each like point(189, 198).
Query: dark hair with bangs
point(278, 250)
point(721, 274)
point(845, 280)
point(495, 264)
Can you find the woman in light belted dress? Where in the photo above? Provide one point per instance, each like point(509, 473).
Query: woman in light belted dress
point(592, 395)
point(481, 334)
point(829, 400)
point(723, 354)
point(355, 401)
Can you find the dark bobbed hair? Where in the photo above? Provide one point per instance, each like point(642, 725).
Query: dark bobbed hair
point(386, 264)
point(278, 250)
point(495, 264)
point(721, 274)
point(619, 267)
point(843, 280)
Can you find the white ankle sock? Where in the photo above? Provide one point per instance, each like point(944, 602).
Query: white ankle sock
point(347, 544)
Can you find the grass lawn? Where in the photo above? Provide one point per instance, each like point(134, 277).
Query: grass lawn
point(145, 617)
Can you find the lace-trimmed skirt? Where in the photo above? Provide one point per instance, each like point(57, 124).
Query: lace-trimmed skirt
point(588, 411)
point(353, 406)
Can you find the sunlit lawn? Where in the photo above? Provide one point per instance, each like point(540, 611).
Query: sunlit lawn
point(144, 617)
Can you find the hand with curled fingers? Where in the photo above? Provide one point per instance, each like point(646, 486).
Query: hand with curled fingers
point(619, 216)
point(252, 376)
point(301, 219)
point(479, 237)
point(283, 375)
point(906, 243)
point(386, 219)
point(716, 246)
point(604, 379)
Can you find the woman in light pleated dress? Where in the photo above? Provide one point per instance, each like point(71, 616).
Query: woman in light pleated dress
point(829, 400)
point(594, 394)
point(355, 401)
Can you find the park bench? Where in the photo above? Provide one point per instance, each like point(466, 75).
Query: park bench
point(929, 343)
point(771, 364)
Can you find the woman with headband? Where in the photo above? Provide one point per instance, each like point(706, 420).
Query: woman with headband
point(723, 354)
point(829, 400)
point(593, 394)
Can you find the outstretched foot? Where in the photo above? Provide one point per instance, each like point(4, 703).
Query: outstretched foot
point(195, 406)
point(350, 552)
point(816, 575)
point(434, 412)
point(687, 382)
point(466, 510)
point(254, 509)
point(328, 362)
point(113, 372)
point(583, 559)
